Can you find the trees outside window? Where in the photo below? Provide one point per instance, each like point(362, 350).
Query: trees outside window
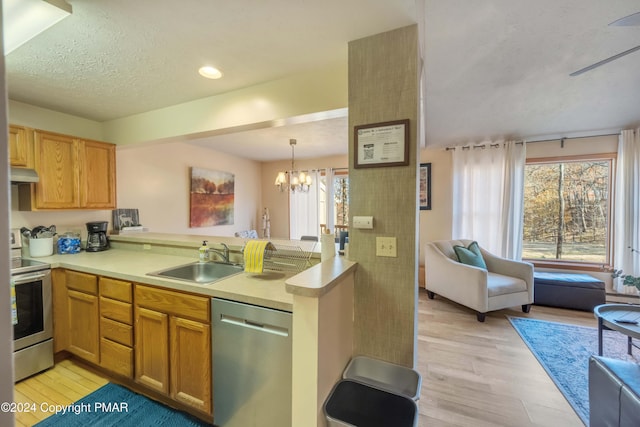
point(334, 200)
point(567, 209)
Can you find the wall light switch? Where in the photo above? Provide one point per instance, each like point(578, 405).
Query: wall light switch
point(363, 222)
point(386, 246)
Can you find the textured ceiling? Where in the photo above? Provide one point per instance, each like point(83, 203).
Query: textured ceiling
point(116, 58)
point(500, 69)
point(494, 68)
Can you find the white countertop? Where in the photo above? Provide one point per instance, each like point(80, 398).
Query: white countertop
point(267, 289)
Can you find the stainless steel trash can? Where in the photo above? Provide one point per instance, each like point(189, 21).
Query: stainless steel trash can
point(384, 375)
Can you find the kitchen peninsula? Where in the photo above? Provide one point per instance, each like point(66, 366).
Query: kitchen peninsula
point(320, 298)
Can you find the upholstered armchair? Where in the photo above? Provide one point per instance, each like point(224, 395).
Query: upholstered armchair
point(504, 283)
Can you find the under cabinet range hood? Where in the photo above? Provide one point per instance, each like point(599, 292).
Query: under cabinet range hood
point(23, 176)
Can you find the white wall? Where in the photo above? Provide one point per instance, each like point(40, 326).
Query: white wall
point(278, 99)
point(53, 121)
point(65, 220)
point(277, 202)
point(436, 224)
point(155, 179)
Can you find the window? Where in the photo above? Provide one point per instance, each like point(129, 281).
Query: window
point(334, 200)
point(567, 209)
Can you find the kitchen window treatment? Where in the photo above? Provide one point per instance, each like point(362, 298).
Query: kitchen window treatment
point(303, 211)
point(627, 208)
point(488, 201)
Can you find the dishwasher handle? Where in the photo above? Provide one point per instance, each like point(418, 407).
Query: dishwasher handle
point(246, 323)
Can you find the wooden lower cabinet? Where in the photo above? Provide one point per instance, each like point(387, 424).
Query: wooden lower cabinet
point(152, 349)
point(84, 336)
point(116, 326)
point(83, 315)
point(116, 357)
point(190, 351)
point(173, 345)
point(159, 338)
point(60, 310)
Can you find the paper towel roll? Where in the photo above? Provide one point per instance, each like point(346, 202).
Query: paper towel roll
point(328, 247)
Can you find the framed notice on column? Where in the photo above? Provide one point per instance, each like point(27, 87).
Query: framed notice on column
point(381, 144)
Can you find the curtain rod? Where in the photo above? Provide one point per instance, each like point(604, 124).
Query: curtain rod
point(574, 137)
point(483, 146)
point(534, 141)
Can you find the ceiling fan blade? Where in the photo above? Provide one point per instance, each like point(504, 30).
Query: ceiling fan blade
point(628, 21)
point(604, 61)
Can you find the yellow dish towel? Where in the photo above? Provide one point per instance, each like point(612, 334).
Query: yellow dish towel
point(14, 310)
point(254, 255)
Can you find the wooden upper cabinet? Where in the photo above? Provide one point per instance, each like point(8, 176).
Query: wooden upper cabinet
point(97, 175)
point(74, 174)
point(19, 146)
point(56, 161)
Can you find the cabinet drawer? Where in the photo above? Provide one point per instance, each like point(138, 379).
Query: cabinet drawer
point(82, 282)
point(116, 331)
point(116, 357)
point(115, 289)
point(176, 303)
point(116, 310)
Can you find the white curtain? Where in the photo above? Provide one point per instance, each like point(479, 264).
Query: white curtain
point(627, 208)
point(488, 201)
point(303, 211)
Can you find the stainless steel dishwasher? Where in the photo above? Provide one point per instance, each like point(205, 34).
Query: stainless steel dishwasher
point(251, 365)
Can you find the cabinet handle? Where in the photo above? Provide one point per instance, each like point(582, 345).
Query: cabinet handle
point(245, 323)
point(20, 280)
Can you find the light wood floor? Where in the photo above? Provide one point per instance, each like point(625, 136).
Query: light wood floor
point(482, 374)
point(64, 384)
point(473, 374)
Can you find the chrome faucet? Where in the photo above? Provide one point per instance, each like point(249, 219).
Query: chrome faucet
point(224, 253)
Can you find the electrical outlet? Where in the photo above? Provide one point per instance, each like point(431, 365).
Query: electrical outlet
point(386, 246)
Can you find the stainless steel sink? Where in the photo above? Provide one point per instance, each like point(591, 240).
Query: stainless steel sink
point(199, 272)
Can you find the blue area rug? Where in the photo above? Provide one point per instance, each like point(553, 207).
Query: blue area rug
point(563, 351)
point(114, 405)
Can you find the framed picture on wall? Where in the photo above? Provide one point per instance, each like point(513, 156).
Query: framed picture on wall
point(425, 186)
point(381, 144)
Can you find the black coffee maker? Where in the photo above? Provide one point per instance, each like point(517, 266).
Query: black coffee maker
point(97, 239)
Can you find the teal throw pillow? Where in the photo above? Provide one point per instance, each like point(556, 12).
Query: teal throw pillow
point(470, 255)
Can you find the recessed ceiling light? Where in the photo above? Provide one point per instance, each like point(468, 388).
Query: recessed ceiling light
point(210, 72)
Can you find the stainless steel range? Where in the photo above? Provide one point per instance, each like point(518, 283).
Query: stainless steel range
point(33, 323)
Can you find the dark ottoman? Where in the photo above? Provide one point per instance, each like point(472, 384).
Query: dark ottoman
point(568, 290)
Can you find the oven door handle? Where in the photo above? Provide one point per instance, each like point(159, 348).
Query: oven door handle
point(27, 278)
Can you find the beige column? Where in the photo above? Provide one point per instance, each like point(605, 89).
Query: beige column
point(384, 86)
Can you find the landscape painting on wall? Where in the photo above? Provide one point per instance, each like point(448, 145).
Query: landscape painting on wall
point(212, 196)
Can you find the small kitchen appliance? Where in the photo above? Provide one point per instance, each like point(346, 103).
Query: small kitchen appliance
point(97, 239)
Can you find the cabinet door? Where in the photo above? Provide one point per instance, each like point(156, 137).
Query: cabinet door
point(56, 161)
point(84, 339)
point(18, 146)
point(191, 363)
point(152, 349)
point(98, 175)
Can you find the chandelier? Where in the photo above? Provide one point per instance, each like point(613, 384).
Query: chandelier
point(293, 180)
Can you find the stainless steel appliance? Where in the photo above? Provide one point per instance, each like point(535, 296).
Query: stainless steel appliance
point(97, 239)
point(33, 323)
point(251, 365)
